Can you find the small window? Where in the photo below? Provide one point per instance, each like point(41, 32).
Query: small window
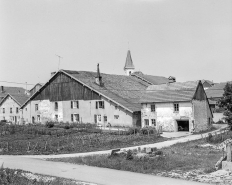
point(153, 108)
point(56, 106)
point(105, 119)
point(25, 109)
point(56, 117)
point(176, 107)
point(74, 104)
point(116, 116)
point(17, 110)
point(36, 107)
point(153, 121)
point(38, 118)
point(75, 117)
point(101, 104)
point(3, 110)
point(99, 118)
point(146, 122)
point(10, 110)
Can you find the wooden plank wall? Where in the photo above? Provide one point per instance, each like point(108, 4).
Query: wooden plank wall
point(63, 88)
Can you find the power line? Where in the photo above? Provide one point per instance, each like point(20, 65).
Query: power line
point(17, 83)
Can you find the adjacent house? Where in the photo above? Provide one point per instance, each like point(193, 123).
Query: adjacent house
point(10, 107)
point(176, 107)
point(10, 90)
point(35, 88)
point(207, 84)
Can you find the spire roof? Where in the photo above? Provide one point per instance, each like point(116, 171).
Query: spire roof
point(129, 63)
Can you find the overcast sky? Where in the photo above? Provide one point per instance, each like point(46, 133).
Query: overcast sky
point(188, 39)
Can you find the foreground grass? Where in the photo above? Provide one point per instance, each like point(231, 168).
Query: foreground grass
point(20, 177)
point(36, 140)
point(183, 156)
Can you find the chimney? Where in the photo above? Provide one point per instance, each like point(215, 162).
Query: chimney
point(52, 73)
point(2, 89)
point(98, 78)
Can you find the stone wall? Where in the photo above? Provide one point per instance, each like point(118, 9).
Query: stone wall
point(201, 115)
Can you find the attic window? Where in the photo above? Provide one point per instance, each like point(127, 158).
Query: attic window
point(100, 104)
point(152, 107)
point(176, 107)
point(17, 110)
point(3, 110)
point(74, 104)
point(10, 110)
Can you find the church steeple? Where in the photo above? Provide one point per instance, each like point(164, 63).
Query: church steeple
point(129, 66)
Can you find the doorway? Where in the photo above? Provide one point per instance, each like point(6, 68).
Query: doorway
point(183, 125)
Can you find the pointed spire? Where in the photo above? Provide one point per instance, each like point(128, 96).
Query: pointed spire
point(129, 63)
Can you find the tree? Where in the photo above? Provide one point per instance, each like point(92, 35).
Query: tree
point(226, 102)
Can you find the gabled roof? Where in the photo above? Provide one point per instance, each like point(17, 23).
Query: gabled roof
point(20, 99)
point(209, 82)
point(120, 89)
point(152, 80)
point(11, 90)
point(129, 63)
point(217, 90)
point(173, 92)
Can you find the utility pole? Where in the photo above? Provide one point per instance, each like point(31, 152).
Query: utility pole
point(59, 61)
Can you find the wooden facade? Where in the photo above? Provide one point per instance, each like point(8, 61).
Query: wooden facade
point(63, 88)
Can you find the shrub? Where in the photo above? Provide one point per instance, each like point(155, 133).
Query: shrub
point(49, 124)
point(129, 155)
point(148, 130)
point(133, 130)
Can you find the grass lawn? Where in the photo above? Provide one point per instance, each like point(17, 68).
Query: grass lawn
point(183, 156)
point(20, 177)
point(36, 140)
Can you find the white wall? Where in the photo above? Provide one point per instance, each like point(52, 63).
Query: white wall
point(165, 115)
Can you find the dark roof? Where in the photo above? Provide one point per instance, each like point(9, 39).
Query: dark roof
point(125, 90)
point(174, 92)
point(19, 98)
point(209, 82)
point(11, 90)
point(129, 63)
point(217, 90)
point(153, 80)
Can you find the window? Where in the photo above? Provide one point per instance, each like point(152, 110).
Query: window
point(75, 117)
point(146, 121)
point(56, 106)
point(3, 110)
point(153, 108)
point(56, 117)
point(153, 121)
point(74, 104)
point(105, 119)
point(176, 107)
point(36, 107)
point(100, 105)
point(17, 110)
point(25, 109)
point(10, 110)
point(38, 118)
point(99, 118)
point(116, 116)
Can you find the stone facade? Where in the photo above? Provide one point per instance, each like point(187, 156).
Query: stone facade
point(197, 113)
point(110, 114)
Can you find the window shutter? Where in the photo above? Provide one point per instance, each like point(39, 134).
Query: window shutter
point(71, 117)
point(78, 104)
point(71, 104)
point(96, 105)
point(78, 117)
point(103, 105)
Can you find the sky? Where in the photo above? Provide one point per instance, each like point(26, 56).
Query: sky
point(188, 39)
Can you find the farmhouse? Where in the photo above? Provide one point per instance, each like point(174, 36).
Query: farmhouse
point(10, 90)
point(10, 107)
point(176, 107)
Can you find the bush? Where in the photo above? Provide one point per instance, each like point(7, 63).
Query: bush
point(129, 155)
point(133, 130)
point(148, 130)
point(49, 124)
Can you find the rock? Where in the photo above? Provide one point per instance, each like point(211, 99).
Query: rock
point(158, 152)
point(148, 150)
point(141, 155)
